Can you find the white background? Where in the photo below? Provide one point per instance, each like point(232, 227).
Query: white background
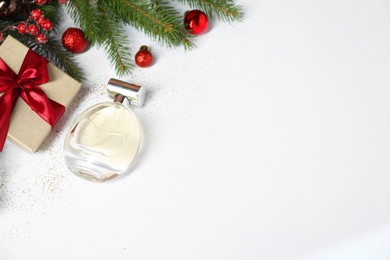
point(270, 140)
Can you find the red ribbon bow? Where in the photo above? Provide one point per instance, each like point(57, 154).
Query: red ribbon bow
point(25, 84)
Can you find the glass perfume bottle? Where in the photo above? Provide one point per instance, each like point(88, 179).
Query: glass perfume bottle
point(103, 141)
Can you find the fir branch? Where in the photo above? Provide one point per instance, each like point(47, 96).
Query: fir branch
point(225, 10)
point(158, 20)
point(85, 14)
point(103, 22)
point(57, 55)
point(115, 39)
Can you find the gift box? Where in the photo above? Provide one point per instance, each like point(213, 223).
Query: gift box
point(27, 128)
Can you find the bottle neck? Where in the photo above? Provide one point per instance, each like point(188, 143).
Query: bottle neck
point(119, 98)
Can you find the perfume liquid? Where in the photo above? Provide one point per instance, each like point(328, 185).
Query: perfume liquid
point(102, 142)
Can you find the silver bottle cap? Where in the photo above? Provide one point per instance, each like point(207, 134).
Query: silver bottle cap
point(134, 93)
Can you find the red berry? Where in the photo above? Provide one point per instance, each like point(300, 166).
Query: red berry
point(41, 20)
point(41, 38)
point(33, 29)
point(22, 28)
point(36, 14)
point(1, 37)
point(46, 25)
point(40, 2)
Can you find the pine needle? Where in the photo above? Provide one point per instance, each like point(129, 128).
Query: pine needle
point(159, 20)
point(115, 40)
point(225, 10)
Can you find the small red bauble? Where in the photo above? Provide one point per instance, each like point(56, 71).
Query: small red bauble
point(41, 38)
point(1, 37)
point(22, 28)
point(36, 14)
point(33, 29)
point(62, 1)
point(144, 57)
point(73, 40)
point(196, 22)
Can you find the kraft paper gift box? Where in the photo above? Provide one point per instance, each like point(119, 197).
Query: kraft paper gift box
point(27, 129)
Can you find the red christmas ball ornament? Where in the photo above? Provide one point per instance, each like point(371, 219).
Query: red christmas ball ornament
point(144, 57)
point(73, 40)
point(33, 29)
point(41, 38)
point(195, 22)
point(62, 1)
point(22, 28)
point(36, 14)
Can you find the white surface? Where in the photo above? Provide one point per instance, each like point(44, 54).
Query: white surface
point(269, 141)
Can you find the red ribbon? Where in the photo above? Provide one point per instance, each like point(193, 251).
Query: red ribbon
point(25, 84)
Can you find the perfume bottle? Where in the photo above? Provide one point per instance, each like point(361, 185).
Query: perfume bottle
point(103, 141)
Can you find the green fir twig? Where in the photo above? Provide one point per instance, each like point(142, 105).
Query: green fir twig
point(114, 40)
point(225, 10)
point(158, 20)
